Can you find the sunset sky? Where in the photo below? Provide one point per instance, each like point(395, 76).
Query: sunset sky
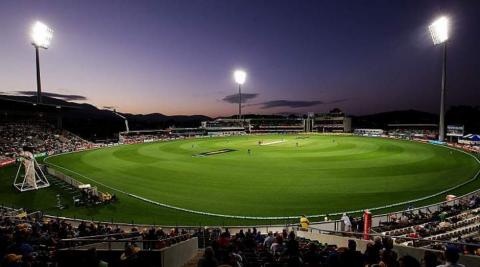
point(177, 57)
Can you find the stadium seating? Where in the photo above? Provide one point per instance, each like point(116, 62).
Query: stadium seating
point(413, 133)
point(41, 137)
point(142, 138)
point(457, 223)
point(37, 241)
point(252, 248)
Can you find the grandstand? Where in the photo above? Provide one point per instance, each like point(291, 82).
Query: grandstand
point(43, 138)
point(142, 136)
point(333, 122)
point(187, 132)
point(41, 237)
point(336, 121)
point(369, 132)
point(222, 127)
point(452, 222)
point(277, 125)
point(413, 131)
point(79, 243)
point(61, 242)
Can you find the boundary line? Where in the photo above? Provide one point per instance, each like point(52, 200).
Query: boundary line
point(274, 217)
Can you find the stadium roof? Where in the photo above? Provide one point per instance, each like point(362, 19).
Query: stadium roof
point(7, 103)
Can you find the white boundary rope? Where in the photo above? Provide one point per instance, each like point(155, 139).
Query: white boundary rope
point(270, 217)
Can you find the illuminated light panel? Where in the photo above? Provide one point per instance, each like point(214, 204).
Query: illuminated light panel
point(41, 35)
point(439, 30)
point(240, 76)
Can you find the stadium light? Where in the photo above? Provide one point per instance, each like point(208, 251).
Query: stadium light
point(240, 76)
point(41, 38)
point(439, 31)
point(41, 35)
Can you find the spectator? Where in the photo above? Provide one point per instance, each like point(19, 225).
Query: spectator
point(268, 240)
point(430, 259)
point(408, 261)
point(277, 245)
point(451, 258)
point(351, 257)
point(208, 259)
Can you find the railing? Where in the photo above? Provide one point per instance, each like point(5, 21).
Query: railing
point(67, 179)
point(372, 236)
point(386, 217)
point(341, 239)
point(109, 243)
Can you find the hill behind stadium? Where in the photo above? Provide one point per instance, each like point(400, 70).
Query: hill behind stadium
point(93, 123)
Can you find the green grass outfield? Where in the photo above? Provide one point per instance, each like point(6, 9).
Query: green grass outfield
point(323, 174)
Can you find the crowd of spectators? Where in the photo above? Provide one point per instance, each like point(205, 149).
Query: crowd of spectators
point(142, 138)
point(413, 133)
point(457, 223)
point(466, 147)
point(40, 137)
point(224, 124)
point(34, 241)
point(252, 248)
point(276, 126)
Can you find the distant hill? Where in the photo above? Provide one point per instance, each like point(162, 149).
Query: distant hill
point(381, 120)
point(92, 123)
point(467, 116)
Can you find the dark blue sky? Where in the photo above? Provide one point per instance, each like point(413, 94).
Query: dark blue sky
point(177, 57)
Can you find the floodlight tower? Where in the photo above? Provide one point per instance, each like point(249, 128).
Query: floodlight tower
point(240, 76)
point(41, 37)
point(439, 31)
point(114, 111)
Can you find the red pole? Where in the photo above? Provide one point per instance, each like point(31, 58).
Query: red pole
point(367, 224)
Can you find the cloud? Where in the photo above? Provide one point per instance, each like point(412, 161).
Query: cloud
point(54, 95)
point(235, 99)
point(289, 104)
point(295, 103)
point(337, 101)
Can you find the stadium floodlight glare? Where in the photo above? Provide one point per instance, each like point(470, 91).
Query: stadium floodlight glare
point(240, 76)
point(439, 30)
point(41, 38)
point(41, 35)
